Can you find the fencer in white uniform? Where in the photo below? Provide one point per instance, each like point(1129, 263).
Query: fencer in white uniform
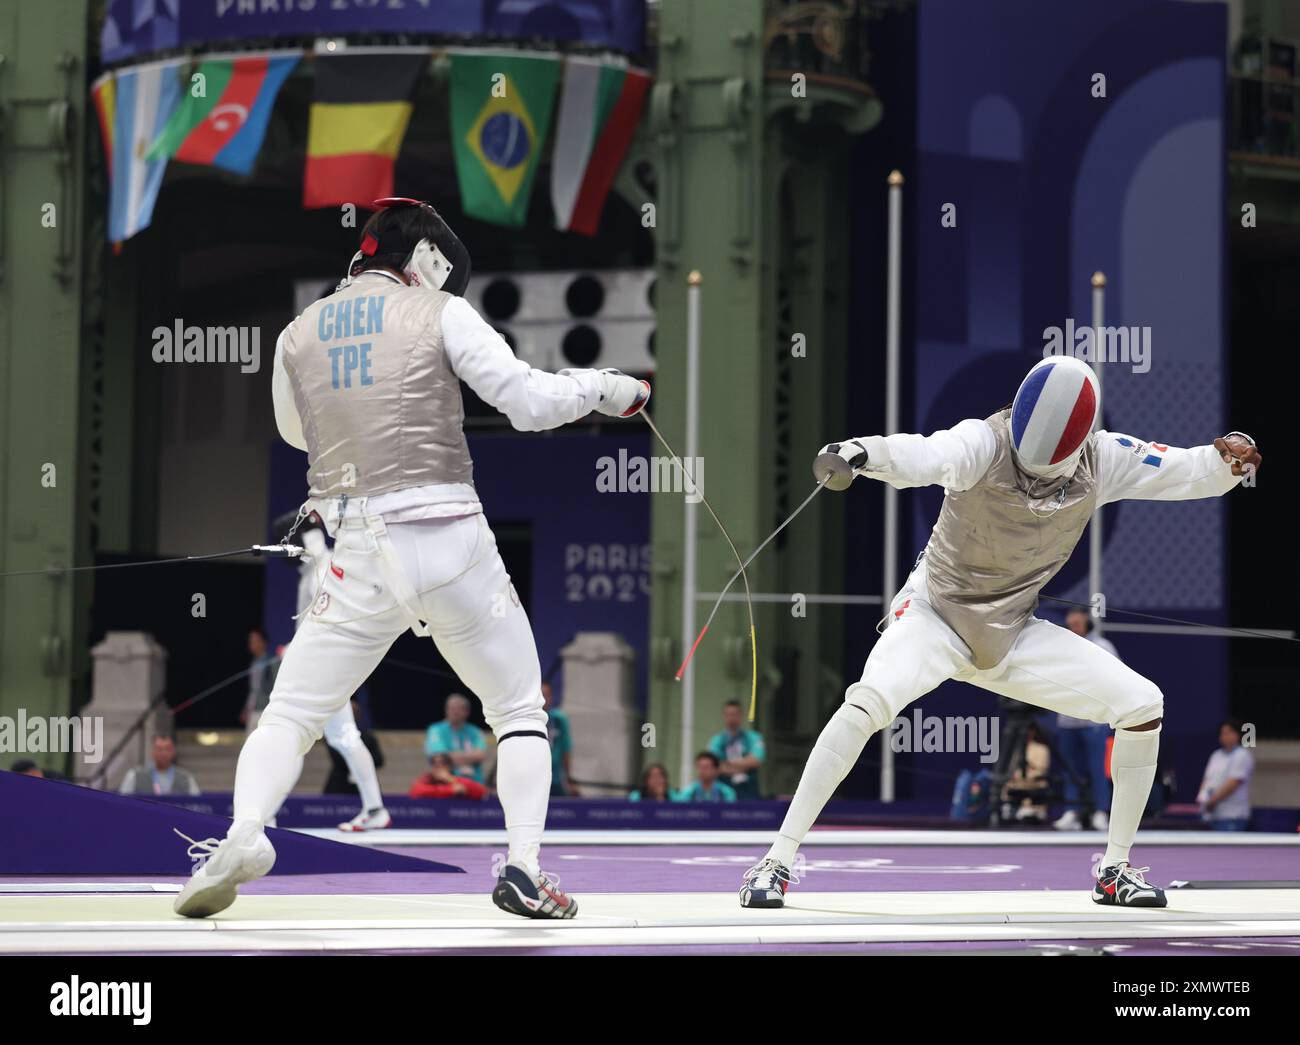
point(367, 381)
point(341, 732)
point(1020, 488)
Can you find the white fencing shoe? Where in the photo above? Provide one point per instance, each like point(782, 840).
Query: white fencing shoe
point(369, 820)
point(243, 855)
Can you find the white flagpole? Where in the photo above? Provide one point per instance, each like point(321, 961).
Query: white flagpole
point(1094, 530)
point(689, 562)
point(893, 298)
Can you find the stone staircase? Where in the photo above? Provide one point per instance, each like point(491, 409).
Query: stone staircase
point(211, 754)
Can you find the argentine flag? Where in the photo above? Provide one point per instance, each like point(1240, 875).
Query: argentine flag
point(146, 96)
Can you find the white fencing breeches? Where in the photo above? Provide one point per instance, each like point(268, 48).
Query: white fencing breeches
point(461, 591)
point(1049, 667)
point(445, 574)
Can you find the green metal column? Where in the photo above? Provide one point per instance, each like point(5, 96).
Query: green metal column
point(751, 179)
point(706, 113)
point(43, 107)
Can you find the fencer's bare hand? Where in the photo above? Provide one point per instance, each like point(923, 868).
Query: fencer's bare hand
point(1238, 449)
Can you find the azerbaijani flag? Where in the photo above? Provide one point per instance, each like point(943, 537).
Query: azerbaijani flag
point(222, 117)
point(145, 97)
point(358, 120)
point(500, 114)
point(103, 95)
point(600, 107)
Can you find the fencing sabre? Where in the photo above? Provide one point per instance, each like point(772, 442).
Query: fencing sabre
point(739, 574)
point(270, 551)
point(1246, 633)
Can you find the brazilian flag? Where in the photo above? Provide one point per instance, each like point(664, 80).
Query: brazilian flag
point(500, 114)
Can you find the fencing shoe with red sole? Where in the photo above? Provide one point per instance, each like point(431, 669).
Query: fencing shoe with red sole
point(766, 883)
point(1120, 885)
point(519, 892)
point(369, 820)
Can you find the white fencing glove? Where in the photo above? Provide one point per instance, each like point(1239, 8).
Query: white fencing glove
point(620, 395)
point(838, 463)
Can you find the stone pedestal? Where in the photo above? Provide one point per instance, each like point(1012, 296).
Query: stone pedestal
point(600, 700)
point(1276, 780)
point(130, 672)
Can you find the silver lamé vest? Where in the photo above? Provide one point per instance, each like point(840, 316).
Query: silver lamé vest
point(994, 548)
point(381, 409)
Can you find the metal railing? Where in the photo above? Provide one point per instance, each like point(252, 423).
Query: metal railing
point(137, 730)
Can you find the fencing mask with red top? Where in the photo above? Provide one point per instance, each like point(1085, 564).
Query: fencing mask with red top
point(410, 236)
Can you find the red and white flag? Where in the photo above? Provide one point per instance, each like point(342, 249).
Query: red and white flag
point(599, 109)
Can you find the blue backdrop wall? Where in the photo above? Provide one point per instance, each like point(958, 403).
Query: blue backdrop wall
point(1049, 184)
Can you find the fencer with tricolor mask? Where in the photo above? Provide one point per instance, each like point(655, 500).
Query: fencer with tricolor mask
point(1020, 487)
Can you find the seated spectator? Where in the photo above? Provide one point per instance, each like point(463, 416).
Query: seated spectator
point(1224, 795)
point(741, 751)
point(561, 737)
point(1031, 776)
point(459, 738)
point(706, 786)
point(160, 775)
point(26, 767)
point(441, 782)
point(654, 786)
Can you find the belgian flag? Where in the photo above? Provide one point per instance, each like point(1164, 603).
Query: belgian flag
point(358, 119)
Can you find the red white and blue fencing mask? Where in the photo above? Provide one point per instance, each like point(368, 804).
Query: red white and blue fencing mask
point(1052, 416)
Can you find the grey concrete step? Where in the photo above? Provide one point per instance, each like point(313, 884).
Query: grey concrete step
point(211, 756)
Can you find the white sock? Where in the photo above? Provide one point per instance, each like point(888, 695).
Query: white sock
point(269, 765)
point(361, 765)
point(524, 788)
point(1132, 771)
point(836, 751)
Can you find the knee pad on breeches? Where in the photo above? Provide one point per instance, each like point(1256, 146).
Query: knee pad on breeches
point(305, 726)
point(873, 712)
point(522, 720)
point(1148, 705)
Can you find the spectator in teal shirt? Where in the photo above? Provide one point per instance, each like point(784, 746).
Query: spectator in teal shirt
point(459, 738)
point(561, 737)
point(706, 787)
point(741, 751)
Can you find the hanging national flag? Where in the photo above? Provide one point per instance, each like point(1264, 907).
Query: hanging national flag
point(224, 110)
point(600, 107)
point(358, 121)
point(102, 93)
point(146, 96)
point(500, 113)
